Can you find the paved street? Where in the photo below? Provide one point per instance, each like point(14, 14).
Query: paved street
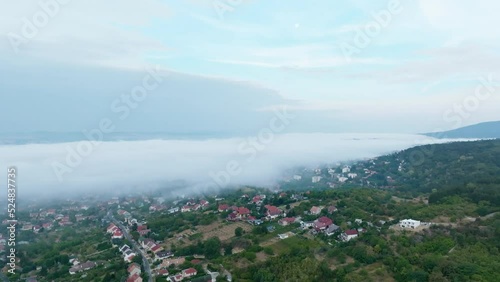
point(135, 245)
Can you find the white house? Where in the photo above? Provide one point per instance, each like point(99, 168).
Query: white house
point(342, 179)
point(297, 177)
point(346, 169)
point(349, 234)
point(316, 179)
point(283, 236)
point(409, 223)
point(352, 175)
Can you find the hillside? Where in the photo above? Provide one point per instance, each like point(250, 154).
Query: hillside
point(468, 169)
point(481, 130)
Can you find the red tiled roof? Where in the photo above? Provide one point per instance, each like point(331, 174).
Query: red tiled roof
point(189, 271)
point(243, 210)
point(351, 232)
point(325, 220)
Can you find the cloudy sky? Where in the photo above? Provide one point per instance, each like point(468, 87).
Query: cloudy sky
point(340, 66)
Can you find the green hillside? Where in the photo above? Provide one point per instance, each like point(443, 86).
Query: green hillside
point(467, 169)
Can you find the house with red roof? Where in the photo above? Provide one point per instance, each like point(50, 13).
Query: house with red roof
point(243, 212)
point(143, 230)
point(162, 272)
point(133, 269)
point(186, 209)
point(117, 234)
point(257, 200)
point(286, 221)
point(157, 249)
point(204, 203)
point(223, 208)
point(315, 210)
point(272, 212)
point(322, 223)
point(134, 278)
point(349, 234)
point(189, 272)
point(175, 278)
point(332, 209)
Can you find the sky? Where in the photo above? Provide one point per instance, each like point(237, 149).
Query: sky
point(225, 66)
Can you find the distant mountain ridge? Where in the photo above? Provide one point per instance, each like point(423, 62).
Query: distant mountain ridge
point(480, 130)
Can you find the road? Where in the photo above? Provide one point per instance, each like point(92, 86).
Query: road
point(135, 245)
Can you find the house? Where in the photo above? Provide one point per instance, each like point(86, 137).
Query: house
point(331, 229)
point(145, 241)
point(315, 210)
point(322, 223)
point(157, 249)
point(175, 278)
point(352, 175)
point(168, 262)
point(409, 223)
point(37, 228)
point(111, 228)
point(316, 179)
point(173, 210)
point(270, 228)
point(342, 179)
point(124, 248)
point(117, 235)
point(223, 208)
point(134, 278)
point(257, 200)
point(242, 212)
point(358, 221)
point(128, 255)
point(346, 169)
point(254, 221)
point(232, 217)
point(189, 272)
point(272, 212)
point(204, 204)
point(306, 224)
point(133, 269)
point(164, 255)
point(297, 177)
point(332, 209)
point(186, 209)
point(286, 221)
point(283, 236)
point(82, 267)
point(162, 272)
point(349, 234)
point(143, 230)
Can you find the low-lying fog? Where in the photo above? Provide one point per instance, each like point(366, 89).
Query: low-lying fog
point(50, 169)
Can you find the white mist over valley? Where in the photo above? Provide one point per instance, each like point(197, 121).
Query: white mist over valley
point(122, 166)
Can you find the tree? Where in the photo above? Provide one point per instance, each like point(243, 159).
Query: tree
point(238, 231)
point(212, 248)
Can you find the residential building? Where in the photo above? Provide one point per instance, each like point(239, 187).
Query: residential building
point(315, 210)
point(409, 223)
point(349, 234)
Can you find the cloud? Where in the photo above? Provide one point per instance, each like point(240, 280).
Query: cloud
point(117, 166)
point(91, 32)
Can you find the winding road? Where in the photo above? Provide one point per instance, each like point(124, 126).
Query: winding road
point(135, 246)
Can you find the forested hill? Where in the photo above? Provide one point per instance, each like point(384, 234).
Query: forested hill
point(470, 169)
point(481, 130)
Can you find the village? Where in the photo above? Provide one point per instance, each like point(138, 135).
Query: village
point(253, 210)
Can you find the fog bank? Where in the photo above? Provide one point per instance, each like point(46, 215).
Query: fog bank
point(111, 166)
